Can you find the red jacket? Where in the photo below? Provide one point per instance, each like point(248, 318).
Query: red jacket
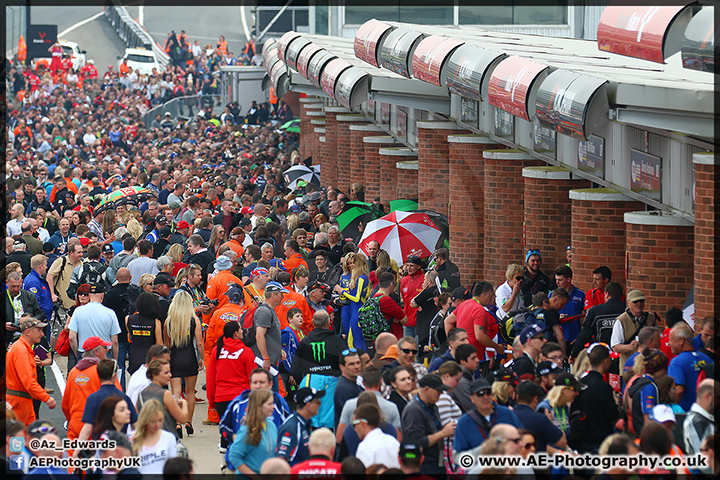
point(229, 375)
point(410, 286)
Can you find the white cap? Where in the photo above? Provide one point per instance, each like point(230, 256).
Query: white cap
point(201, 113)
point(91, 61)
point(663, 413)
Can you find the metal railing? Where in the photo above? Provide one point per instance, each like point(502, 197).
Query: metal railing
point(186, 107)
point(131, 32)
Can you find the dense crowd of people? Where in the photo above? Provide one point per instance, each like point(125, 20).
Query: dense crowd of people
point(318, 358)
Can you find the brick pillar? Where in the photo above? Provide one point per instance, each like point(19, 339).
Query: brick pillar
point(504, 206)
point(307, 105)
point(373, 161)
point(434, 164)
point(660, 258)
point(598, 233)
point(318, 132)
point(361, 168)
point(407, 179)
point(317, 149)
point(467, 203)
point(548, 212)
point(339, 144)
point(292, 99)
point(356, 159)
point(329, 169)
point(389, 172)
point(707, 249)
point(323, 154)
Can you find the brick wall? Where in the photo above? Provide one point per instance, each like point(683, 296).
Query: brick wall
point(504, 206)
point(467, 203)
point(323, 153)
point(407, 179)
point(342, 146)
point(548, 212)
point(434, 164)
point(372, 142)
point(660, 258)
point(316, 154)
point(707, 249)
point(357, 152)
point(389, 172)
point(598, 233)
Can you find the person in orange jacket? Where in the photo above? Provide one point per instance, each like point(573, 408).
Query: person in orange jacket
point(21, 372)
point(292, 299)
point(82, 381)
point(293, 255)
point(222, 46)
point(237, 237)
point(216, 289)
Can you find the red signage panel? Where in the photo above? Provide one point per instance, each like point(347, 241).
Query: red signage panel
point(330, 74)
point(511, 82)
point(368, 38)
point(429, 56)
point(636, 31)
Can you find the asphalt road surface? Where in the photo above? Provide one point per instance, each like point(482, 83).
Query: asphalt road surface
point(202, 445)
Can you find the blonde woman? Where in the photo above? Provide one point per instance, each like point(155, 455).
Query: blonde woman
point(255, 441)
point(181, 327)
point(507, 296)
point(217, 238)
point(146, 282)
point(292, 222)
point(557, 404)
point(176, 253)
point(151, 443)
point(357, 291)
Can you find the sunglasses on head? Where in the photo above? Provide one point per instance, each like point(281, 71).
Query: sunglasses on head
point(409, 350)
point(359, 420)
point(348, 351)
point(43, 429)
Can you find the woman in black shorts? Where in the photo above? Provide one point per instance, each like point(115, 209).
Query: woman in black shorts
point(144, 329)
point(181, 327)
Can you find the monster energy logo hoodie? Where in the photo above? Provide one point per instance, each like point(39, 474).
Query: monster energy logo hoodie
point(319, 353)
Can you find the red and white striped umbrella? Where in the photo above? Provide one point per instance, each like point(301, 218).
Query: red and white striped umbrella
point(402, 234)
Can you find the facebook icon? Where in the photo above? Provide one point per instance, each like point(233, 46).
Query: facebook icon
point(17, 462)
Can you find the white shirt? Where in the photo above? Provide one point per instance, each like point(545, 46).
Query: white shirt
point(618, 334)
point(43, 234)
point(152, 459)
point(89, 139)
point(138, 382)
point(14, 226)
point(502, 295)
point(142, 265)
point(379, 447)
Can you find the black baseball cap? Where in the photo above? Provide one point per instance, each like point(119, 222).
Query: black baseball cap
point(163, 278)
point(48, 247)
point(547, 367)
point(479, 385)
point(305, 395)
point(414, 259)
point(410, 450)
point(316, 285)
point(433, 381)
point(97, 288)
point(528, 387)
point(458, 293)
point(568, 380)
point(107, 248)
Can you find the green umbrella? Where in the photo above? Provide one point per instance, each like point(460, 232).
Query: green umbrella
point(404, 205)
point(292, 126)
point(355, 213)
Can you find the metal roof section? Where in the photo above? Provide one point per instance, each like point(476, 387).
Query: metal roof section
point(467, 71)
point(351, 89)
point(330, 75)
point(698, 51)
point(279, 79)
point(284, 43)
point(514, 83)
point(316, 65)
point(397, 48)
point(293, 51)
point(303, 59)
point(572, 104)
point(430, 55)
point(368, 37)
point(648, 32)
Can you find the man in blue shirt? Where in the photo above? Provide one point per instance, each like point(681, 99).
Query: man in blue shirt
point(107, 373)
point(708, 328)
point(294, 433)
point(36, 284)
point(548, 437)
point(456, 337)
point(686, 364)
point(575, 306)
point(474, 427)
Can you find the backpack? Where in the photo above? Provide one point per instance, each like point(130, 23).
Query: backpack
point(248, 322)
point(91, 273)
point(333, 277)
point(438, 337)
point(133, 291)
point(371, 320)
point(603, 327)
point(514, 322)
point(630, 407)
